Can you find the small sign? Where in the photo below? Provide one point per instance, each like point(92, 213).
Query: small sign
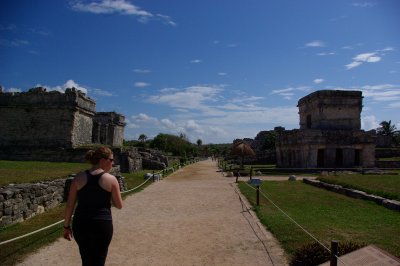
point(255, 181)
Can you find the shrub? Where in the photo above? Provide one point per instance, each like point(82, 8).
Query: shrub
point(315, 254)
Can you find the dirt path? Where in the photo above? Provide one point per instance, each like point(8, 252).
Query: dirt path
point(193, 217)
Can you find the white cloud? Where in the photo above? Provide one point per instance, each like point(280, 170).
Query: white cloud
point(209, 113)
point(122, 7)
point(387, 49)
point(395, 105)
point(222, 74)
point(14, 90)
point(388, 93)
point(132, 126)
point(141, 84)
point(195, 61)
point(110, 7)
point(144, 118)
point(72, 84)
point(353, 65)
point(166, 19)
point(372, 57)
point(189, 98)
point(13, 43)
point(141, 71)
point(288, 93)
point(326, 53)
point(68, 84)
point(318, 81)
point(100, 92)
point(192, 126)
point(363, 4)
point(315, 43)
point(369, 122)
point(168, 123)
point(233, 45)
point(367, 57)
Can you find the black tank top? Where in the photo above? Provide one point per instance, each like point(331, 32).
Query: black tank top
point(94, 203)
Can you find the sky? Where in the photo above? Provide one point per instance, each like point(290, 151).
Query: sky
point(214, 70)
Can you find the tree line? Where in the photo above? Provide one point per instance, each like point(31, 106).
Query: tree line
point(179, 145)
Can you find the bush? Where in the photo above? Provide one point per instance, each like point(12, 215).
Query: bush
point(315, 254)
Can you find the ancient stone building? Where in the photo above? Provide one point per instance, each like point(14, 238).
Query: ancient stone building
point(38, 124)
point(108, 128)
point(330, 134)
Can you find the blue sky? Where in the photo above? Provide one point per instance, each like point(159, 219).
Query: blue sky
point(213, 70)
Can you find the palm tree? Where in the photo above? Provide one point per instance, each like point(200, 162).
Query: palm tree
point(199, 142)
point(142, 138)
point(386, 128)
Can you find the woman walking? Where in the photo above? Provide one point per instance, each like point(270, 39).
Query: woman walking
point(93, 190)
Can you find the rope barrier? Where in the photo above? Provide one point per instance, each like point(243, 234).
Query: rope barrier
point(126, 191)
point(290, 218)
point(31, 233)
point(296, 223)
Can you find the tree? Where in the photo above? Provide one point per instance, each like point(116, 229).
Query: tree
point(386, 128)
point(199, 142)
point(142, 138)
point(269, 140)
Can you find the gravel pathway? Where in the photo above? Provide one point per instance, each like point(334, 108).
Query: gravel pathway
point(195, 216)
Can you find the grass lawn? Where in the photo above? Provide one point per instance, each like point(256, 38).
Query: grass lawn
point(32, 171)
point(14, 252)
point(326, 215)
point(387, 186)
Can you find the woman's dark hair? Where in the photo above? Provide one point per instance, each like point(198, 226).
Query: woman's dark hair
point(94, 156)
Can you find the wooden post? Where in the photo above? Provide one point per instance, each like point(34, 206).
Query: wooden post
point(334, 252)
point(153, 176)
point(251, 172)
point(258, 195)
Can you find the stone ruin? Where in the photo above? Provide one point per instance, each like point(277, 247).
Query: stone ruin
point(41, 125)
point(329, 134)
point(54, 126)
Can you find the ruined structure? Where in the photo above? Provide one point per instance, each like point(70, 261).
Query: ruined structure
point(108, 128)
point(329, 134)
point(37, 124)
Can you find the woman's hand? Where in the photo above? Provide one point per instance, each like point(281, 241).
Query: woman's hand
point(68, 234)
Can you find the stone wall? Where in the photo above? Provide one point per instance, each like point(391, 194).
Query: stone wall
point(390, 204)
point(49, 126)
point(130, 160)
point(319, 148)
point(23, 201)
point(45, 119)
point(19, 202)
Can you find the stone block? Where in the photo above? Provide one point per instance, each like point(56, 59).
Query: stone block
point(7, 194)
point(391, 204)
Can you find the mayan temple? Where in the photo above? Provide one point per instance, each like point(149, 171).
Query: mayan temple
point(330, 134)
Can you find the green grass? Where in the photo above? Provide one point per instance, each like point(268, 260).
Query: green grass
point(16, 251)
point(326, 215)
point(389, 159)
point(17, 172)
point(387, 186)
point(133, 180)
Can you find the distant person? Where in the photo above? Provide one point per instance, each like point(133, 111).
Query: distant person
point(93, 190)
